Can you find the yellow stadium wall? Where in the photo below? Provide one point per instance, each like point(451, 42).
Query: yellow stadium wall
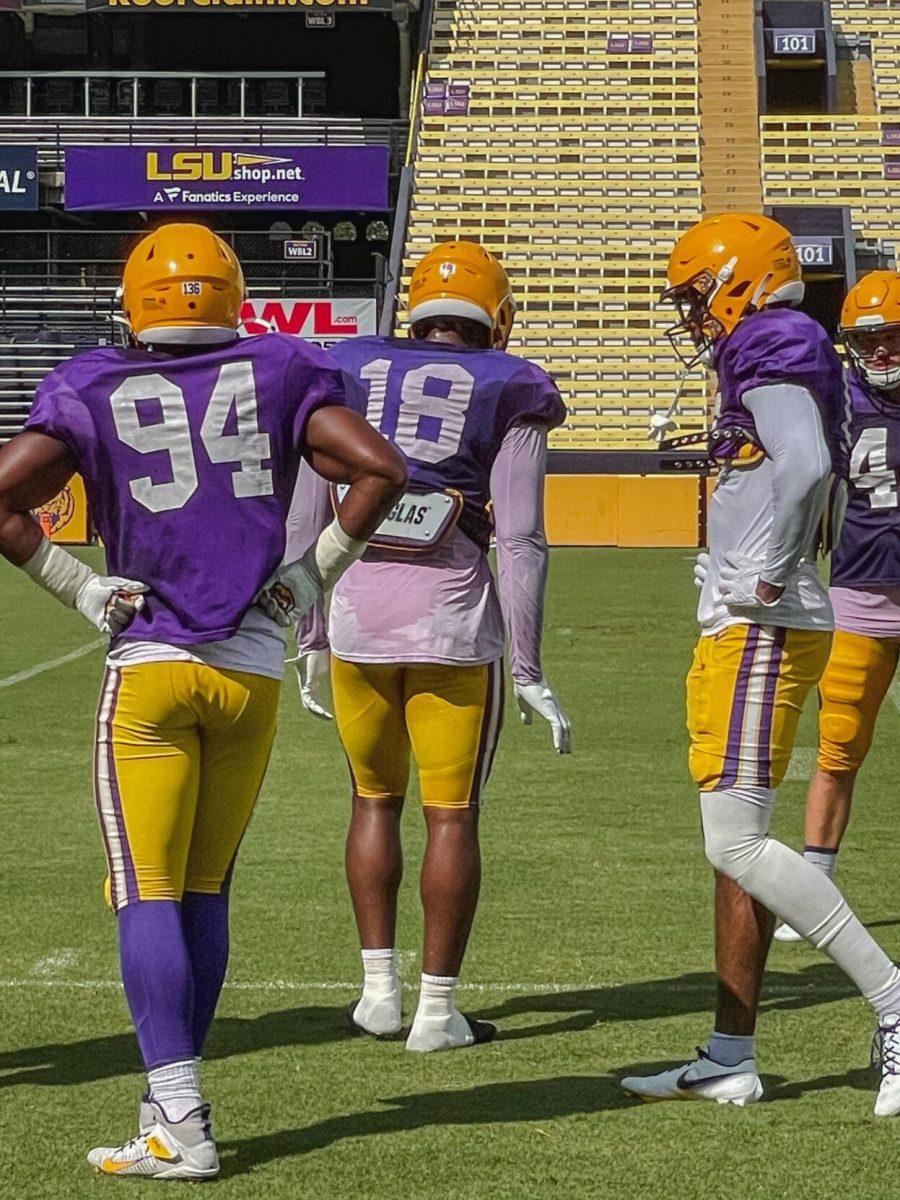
point(623, 510)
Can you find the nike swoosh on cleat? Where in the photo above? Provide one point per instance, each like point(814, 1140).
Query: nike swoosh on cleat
point(686, 1085)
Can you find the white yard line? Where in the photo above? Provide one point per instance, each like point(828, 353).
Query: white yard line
point(298, 985)
point(22, 676)
point(802, 764)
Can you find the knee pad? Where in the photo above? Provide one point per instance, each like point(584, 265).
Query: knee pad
point(735, 827)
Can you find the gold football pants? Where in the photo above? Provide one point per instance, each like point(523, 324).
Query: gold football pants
point(181, 752)
point(859, 673)
point(745, 692)
point(448, 717)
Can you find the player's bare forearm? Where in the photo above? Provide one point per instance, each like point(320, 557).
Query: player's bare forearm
point(344, 448)
point(33, 469)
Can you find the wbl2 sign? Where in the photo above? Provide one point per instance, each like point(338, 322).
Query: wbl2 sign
point(18, 178)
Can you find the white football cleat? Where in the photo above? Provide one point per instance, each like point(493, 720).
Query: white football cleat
point(448, 1031)
point(164, 1149)
point(886, 1054)
point(378, 1016)
point(703, 1079)
point(784, 933)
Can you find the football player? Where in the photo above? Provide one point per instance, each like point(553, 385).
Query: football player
point(189, 443)
point(416, 627)
point(766, 625)
point(865, 569)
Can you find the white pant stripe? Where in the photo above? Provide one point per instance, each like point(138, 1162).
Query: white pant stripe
point(105, 805)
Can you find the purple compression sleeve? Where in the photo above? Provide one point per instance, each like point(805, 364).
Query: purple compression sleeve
point(311, 511)
point(517, 489)
point(158, 979)
point(204, 920)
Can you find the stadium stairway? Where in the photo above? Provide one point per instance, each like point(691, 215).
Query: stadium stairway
point(729, 107)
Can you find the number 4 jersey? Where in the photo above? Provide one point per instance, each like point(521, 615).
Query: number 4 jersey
point(190, 462)
point(868, 555)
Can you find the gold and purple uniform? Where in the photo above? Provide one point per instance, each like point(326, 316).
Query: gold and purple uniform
point(754, 667)
point(865, 585)
point(417, 629)
point(190, 463)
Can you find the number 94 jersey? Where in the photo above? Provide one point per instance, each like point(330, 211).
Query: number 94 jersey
point(190, 462)
point(868, 554)
point(447, 409)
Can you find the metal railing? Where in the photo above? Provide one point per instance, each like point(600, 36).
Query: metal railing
point(159, 93)
point(88, 257)
point(51, 135)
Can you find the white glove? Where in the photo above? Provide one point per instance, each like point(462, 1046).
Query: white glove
point(538, 698)
point(292, 591)
point(110, 602)
point(738, 581)
point(701, 569)
point(313, 667)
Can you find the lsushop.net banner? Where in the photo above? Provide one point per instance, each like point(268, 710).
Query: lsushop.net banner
point(172, 178)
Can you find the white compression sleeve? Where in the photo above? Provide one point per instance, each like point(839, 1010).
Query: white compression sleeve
point(789, 425)
point(335, 551)
point(59, 573)
point(735, 829)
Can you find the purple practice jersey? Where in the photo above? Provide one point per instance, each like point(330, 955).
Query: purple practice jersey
point(447, 410)
point(190, 462)
point(868, 554)
point(770, 347)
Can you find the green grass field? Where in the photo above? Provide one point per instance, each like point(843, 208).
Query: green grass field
point(592, 951)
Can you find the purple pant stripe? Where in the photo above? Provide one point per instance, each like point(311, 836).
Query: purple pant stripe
point(738, 708)
point(765, 730)
point(98, 750)
point(131, 888)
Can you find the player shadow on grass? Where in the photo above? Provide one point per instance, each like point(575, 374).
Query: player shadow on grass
point(655, 999)
point(65, 1063)
point(487, 1104)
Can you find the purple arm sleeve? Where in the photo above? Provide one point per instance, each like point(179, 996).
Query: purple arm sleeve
point(517, 489)
point(309, 514)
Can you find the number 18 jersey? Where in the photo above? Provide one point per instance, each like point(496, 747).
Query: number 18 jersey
point(868, 555)
point(189, 463)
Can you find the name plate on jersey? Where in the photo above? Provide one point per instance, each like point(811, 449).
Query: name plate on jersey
point(417, 522)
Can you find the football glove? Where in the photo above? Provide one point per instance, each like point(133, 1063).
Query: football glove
point(313, 668)
point(738, 581)
point(538, 698)
point(293, 590)
point(701, 569)
point(110, 602)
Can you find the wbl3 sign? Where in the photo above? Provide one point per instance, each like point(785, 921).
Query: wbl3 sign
point(18, 178)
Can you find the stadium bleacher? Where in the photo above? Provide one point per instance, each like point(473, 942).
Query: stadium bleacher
point(579, 163)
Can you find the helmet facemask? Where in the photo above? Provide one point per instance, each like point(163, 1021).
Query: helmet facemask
point(875, 351)
point(693, 337)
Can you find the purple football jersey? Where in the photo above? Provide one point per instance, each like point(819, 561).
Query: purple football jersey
point(189, 462)
point(868, 554)
point(447, 410)
point(777, 346)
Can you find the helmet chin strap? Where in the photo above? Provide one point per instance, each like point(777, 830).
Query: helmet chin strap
point(664, 423)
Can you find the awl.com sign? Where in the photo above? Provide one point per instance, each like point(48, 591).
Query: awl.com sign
point(146, 178)
point(322, 321)
point(18, 178)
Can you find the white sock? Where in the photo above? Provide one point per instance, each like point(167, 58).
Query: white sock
point(436, 995)
point(729, 1049)
point(176, 1087)
point(379, 972)
point(379, 1007)
point(823, 858)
